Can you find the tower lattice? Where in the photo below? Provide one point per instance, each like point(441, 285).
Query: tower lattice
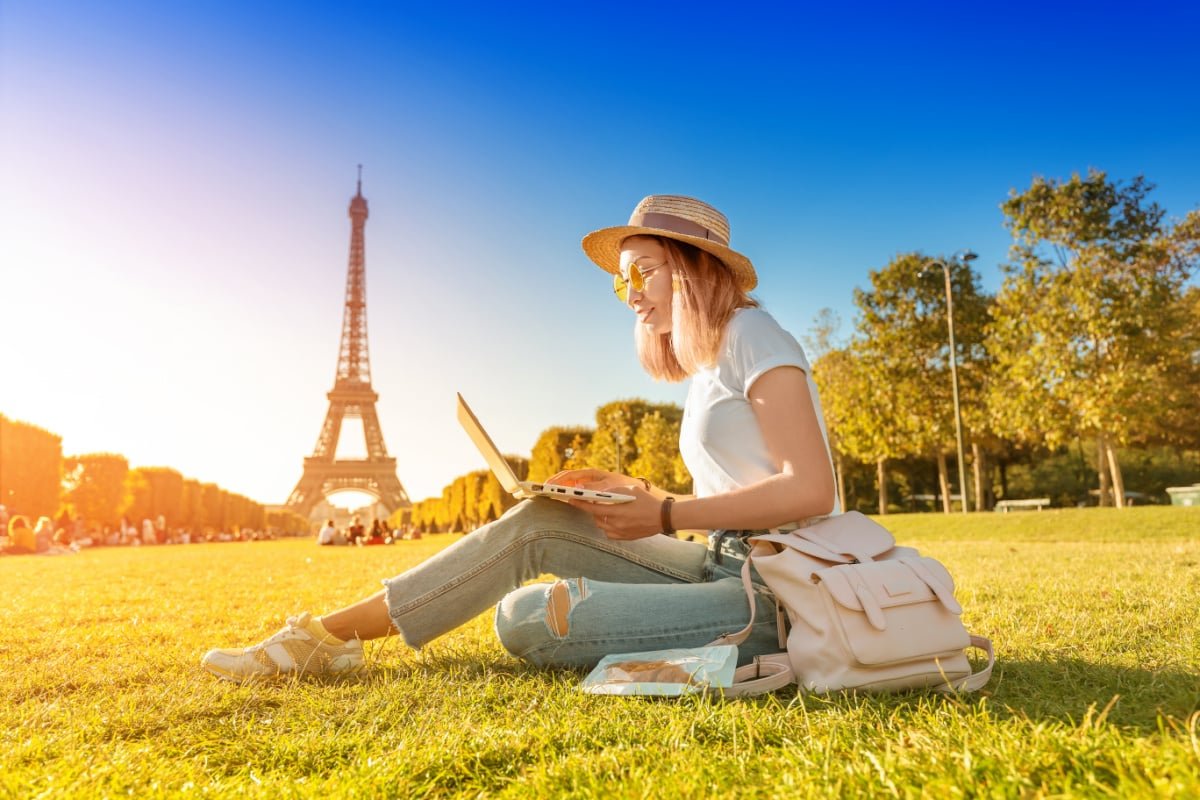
point(351, 396)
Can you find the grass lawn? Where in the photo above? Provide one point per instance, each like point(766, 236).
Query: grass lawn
point(1094, 613)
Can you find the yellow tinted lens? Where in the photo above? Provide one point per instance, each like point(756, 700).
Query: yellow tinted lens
point(620, 287)
point(636, 279)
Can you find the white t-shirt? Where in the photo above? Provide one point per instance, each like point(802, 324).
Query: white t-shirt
point(720, 440)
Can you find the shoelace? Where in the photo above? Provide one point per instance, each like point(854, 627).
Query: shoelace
point(294, 625)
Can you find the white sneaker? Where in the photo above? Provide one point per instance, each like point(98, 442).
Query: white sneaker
point(301, 647)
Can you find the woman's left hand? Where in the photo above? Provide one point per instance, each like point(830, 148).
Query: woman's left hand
point(635, 520)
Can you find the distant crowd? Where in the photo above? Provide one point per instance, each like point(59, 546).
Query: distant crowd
point(70, 534)
point(356, 533)
point(67, 534)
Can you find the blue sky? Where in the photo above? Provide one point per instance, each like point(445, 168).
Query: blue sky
point(174, 181)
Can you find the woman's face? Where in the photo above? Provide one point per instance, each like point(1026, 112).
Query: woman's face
point(653, 303)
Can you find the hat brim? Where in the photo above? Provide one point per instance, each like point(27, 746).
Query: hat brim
point(603, 247)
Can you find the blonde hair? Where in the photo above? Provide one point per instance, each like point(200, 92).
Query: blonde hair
point(705, 296)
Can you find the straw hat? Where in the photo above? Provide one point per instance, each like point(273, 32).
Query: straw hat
point(684, 219)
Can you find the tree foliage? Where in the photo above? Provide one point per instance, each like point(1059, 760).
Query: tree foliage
point(888, 393)
point(96, 486)
point(467, 502)
point(550, 451)
point(31, 467)
point(1086, 326)
point(619, 433)
point(903, 335)
point(657, 445)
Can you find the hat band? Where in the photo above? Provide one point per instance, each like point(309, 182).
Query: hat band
point(674, 224)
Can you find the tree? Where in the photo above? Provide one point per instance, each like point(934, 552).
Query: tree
point(31, 468)
point(95, 486)
point(286, 523)
point(1081, 330)
point(658, 459)
point(823, 336)
point(137, 488)
point(472, 490)
point(457, 501)
point(614, 445)
point(493, 500)
point(833, 374)
point(165, 488)
point(1178, 386)
point(192, 504)
point(212, 506)
point(864, 411)
point(549, 455)
point(905, 351)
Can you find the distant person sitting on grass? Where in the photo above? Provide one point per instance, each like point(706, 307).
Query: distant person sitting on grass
point(356, 531)
point(43, 534)
point(325, 536)
point(752, 438)
point(376, 536)
point(21, 538)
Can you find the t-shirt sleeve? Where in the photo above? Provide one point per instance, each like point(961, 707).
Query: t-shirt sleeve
point(757, 345)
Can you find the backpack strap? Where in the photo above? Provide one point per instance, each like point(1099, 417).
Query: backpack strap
point(977, 680)
point(737, 637)
point(765, 674)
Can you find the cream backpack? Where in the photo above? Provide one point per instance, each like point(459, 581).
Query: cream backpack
point(865, 614)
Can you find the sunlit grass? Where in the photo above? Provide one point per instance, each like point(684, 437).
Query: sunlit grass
point(1095, 694)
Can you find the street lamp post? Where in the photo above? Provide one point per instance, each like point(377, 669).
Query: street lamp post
point(962, 466)
point(619, 434)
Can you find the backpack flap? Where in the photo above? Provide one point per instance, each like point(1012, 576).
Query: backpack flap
point(843, 539)
point(894, 611)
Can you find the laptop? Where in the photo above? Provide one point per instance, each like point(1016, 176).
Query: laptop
point(524, 489)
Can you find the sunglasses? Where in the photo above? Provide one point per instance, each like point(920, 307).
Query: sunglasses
point(637, 279)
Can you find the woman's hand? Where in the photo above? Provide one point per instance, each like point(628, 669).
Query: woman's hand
point(635, 520)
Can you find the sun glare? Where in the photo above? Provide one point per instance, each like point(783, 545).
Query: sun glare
point(350, 500)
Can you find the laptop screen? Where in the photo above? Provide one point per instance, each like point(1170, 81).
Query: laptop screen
point(487, 447)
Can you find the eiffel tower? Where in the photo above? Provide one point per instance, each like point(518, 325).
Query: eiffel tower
point(351, 396)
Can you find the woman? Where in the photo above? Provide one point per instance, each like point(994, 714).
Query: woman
point(752, 437)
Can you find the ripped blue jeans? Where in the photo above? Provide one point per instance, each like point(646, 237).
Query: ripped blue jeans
point(618, 596)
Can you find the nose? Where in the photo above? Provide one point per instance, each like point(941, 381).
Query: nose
point(630, 292)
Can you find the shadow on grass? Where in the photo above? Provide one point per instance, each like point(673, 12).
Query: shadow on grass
point(1060, 690)
point(468, 666)
point(1064, 689)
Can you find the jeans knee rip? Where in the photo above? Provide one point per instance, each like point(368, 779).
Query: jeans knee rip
point(561, 599)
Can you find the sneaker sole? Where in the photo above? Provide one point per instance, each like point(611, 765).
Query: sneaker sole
point(232, 677)
point(226, 675)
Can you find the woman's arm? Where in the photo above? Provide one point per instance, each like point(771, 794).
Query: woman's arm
point(802, 486)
